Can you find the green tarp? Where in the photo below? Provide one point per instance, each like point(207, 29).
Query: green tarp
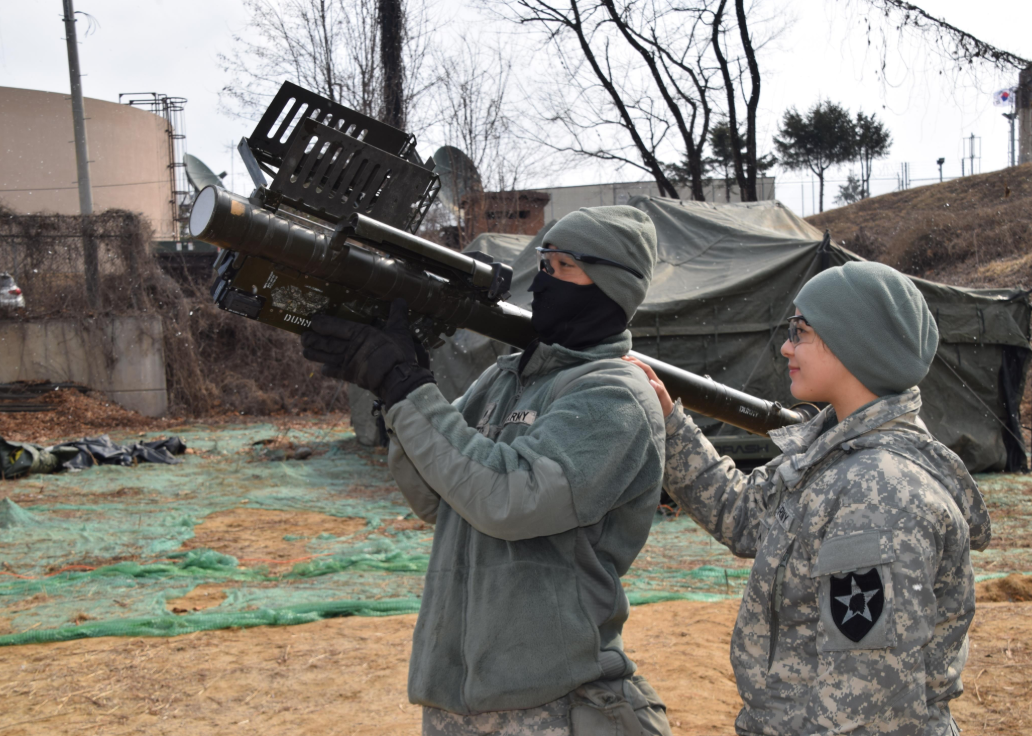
point(721, 293)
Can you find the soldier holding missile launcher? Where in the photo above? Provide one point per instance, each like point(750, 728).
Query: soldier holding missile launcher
point(544, 477)
point(542, 481)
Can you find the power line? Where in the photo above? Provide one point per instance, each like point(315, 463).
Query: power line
point(95, 186)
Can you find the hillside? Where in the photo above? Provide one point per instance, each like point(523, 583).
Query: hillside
point(974, 231)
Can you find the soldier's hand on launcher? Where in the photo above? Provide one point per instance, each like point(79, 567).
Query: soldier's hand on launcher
point(664, 396)
point(386, 362)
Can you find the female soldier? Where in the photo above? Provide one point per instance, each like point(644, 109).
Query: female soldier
point(856, 613)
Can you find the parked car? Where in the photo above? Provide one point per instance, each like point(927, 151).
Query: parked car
point(11, 295)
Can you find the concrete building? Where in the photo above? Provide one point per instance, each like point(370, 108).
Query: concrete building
point(564, 200)
point(128, 150)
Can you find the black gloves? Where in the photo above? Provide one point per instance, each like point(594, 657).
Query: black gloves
point(388, 362)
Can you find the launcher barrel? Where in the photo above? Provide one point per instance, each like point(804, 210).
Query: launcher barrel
point(232, 222)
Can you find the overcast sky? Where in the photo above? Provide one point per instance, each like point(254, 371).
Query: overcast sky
point(171, 47)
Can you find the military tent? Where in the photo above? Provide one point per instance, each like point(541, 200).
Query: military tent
point(720, 295)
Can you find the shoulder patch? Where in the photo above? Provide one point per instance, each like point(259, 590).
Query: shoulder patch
point(857, 602)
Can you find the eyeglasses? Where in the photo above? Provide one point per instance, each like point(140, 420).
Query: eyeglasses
point(795, 336)
point(546, 261)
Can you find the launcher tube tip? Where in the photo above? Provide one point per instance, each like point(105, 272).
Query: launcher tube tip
point(203, 209)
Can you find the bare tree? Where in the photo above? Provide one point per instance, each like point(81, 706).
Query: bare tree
point(657, 71)
point(471, 107)
point(956, 47)
point(334, 48)
point(635, 68)
point(722, 159)
point(476, 112)
point(743, 156)
point(679, 74)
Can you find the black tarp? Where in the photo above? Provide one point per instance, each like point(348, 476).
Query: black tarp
point(22, 458)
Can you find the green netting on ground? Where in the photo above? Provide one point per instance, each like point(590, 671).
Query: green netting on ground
point(109, 551)
point(172, 625)
point(115, 539)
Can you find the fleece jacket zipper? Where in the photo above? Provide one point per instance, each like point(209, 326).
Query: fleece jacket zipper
point(515, 397)
point(469, 562)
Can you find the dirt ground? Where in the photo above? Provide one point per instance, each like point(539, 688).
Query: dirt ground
point(256, 536)
point(347, 676)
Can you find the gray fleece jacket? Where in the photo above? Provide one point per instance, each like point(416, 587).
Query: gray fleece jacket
point(542, 486)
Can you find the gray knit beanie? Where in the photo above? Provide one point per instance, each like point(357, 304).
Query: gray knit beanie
point(875, 321)
point(620, 233)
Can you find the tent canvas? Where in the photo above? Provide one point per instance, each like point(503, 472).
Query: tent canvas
point(723, 288)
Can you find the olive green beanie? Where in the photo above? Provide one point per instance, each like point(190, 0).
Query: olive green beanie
point(875, 321)
point(619, 233)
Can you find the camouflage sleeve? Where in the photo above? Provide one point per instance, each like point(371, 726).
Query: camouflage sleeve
point(896, 601)
point(723, 500)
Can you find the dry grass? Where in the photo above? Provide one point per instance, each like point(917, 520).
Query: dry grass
point(74, 414)
point(974, 231)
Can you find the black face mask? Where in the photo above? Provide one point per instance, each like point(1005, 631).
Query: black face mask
point(572, 315)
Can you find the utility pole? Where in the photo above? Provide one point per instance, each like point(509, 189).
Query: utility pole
point(391, 22)
point(1024, 111)
point(82, 161)
point(1011, 116)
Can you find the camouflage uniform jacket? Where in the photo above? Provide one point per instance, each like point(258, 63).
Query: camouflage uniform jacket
point(855, 615)
point(543, 485)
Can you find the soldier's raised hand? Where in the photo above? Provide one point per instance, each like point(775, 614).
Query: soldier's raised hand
point(386, 362)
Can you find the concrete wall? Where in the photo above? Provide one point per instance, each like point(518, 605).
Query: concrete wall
point(121, 356)
point(565, 200)
point(128, 150)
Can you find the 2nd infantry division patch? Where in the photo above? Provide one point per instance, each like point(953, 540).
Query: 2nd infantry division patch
point(857, 602)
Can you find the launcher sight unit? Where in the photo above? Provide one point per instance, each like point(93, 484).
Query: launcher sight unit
point(333, 233)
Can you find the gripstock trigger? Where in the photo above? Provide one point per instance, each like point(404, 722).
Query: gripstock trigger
point(426, 332)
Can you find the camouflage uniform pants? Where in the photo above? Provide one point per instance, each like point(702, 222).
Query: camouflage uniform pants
point(627, 707)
